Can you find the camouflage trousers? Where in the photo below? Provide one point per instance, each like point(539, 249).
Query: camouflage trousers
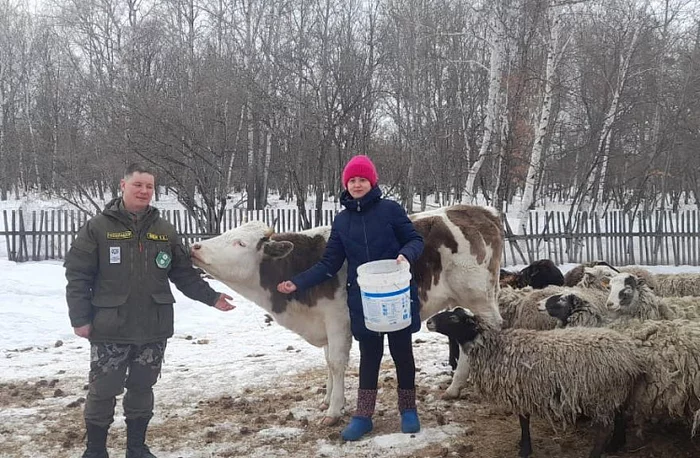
point(114, 367)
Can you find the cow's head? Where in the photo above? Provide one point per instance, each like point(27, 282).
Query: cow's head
point(235, 256)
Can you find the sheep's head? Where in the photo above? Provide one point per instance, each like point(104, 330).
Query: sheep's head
point(459, 324)
point(597, 277)
point(624, 291)
point(562, 306)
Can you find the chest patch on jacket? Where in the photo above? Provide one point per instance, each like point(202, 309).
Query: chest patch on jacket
point(163, 260)
point(157, 237)
point(124, 235)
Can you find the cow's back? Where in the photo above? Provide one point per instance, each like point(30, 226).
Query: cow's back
point(461, 260)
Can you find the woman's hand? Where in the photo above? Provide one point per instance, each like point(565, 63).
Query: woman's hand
point(286, 287)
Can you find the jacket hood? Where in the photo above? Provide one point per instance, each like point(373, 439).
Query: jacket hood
point(363, 202)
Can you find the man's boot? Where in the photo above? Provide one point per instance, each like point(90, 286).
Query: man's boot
point(96, 441)
point(136, 438)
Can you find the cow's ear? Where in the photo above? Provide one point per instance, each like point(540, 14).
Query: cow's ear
point(277, 250)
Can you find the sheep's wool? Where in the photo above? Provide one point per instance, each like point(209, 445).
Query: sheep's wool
point(558, 374)
point(669, 350)
point(677, 284)
point(671, 384)
point(518, 308)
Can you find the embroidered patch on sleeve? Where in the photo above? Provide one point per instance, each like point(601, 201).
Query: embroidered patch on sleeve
point(124, 235)
point(157, 237)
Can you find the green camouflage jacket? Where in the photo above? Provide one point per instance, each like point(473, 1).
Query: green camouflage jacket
point(118, 271)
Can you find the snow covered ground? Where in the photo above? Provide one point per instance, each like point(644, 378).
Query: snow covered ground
point(233, 384)
point(216, 361)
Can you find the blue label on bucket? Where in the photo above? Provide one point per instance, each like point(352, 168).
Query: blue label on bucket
point(393, 293)
point(386, 312)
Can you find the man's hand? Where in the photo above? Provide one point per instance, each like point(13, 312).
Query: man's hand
point(83, 331)
point(223, 304)
point(286, 287)
point(401, 259)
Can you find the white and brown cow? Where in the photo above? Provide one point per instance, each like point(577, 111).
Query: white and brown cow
point(459, 266)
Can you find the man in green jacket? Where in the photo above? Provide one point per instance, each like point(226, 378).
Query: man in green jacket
point(119, 298)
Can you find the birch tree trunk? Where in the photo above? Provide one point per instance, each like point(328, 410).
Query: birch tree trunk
point(554, 55)
point(497, 44)
point(593, 194)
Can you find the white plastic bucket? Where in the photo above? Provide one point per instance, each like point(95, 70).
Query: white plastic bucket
point(386, 294)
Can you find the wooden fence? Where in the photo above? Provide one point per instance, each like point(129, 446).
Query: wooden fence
point(659, 238)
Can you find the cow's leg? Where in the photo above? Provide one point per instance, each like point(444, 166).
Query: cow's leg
point(459, 379)
point(337, 354)
point(329, 382)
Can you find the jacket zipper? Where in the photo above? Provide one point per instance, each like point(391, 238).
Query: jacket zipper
point(364, 231)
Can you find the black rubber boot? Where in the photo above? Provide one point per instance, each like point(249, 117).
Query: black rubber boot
point(136, 439)
point(96, 441)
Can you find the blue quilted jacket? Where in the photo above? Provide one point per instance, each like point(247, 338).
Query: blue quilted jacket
point(369, 229)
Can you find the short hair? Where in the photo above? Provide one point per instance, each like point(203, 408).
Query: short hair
point(138, 167)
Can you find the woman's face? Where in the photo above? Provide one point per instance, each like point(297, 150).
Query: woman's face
point(358, 187)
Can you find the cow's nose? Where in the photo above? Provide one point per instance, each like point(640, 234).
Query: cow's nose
point(196, 246)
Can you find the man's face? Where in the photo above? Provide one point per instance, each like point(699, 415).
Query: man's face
point(137, 191)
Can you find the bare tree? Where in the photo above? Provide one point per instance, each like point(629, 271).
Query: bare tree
point(555, 52)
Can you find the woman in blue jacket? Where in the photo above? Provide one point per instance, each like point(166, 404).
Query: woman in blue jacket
point(371, 228)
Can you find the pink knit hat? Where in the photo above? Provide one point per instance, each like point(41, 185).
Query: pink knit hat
point(360, 166)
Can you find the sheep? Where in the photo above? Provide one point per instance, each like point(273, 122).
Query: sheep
point(574, 309)
point(640, 272)
point(677, 285)
point(574, 276)
point(533, 372)
point(538, 274)
point(631, 296)
point(602, 269)
point(520, 308)
point(669, 348)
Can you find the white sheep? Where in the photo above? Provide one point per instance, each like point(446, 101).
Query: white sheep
point(631, 296)
point(670, 387)
point(534, 373)
point(601, 269)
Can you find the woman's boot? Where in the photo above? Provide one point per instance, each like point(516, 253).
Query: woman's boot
point(361, 423)
point(409, 415)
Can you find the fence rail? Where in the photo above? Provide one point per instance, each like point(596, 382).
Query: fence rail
point(658, 238)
